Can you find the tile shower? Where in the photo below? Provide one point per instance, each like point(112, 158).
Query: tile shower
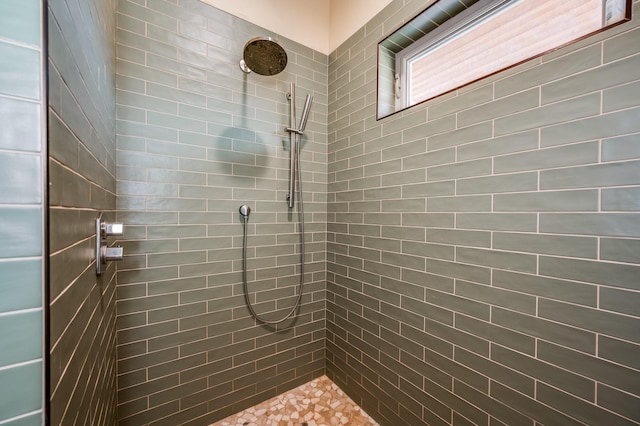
point(197, 138)
point(22, 212)
point(472, 260)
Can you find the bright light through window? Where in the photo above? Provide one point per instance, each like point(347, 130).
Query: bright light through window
point(526, 29)
point(449, 45)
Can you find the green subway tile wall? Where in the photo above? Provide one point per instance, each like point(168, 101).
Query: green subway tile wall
point(482, 247)
point(82, 150)
point(22, 214)
point(471, 260)
point(196, 139)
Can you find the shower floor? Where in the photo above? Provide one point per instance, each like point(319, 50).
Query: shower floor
point(317, 403)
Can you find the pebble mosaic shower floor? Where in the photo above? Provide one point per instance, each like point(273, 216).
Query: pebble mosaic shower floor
point(317, 403)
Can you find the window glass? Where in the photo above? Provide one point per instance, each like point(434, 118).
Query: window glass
point(448, 46)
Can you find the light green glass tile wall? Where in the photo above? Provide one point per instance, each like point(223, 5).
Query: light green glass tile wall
point(196, 139)
point(21, 214)
point(482, 247)
point(82, 183)
point(24, 393)
point(20, 66)
point(16, 120)
point(17, 21)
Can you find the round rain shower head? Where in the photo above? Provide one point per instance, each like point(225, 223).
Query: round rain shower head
point(264, 56)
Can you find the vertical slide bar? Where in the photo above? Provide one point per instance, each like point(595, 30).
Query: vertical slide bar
point(293, 146)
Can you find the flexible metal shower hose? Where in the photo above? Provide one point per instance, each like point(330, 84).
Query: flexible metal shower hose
point(302, 254)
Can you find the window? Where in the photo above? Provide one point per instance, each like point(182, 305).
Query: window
point(436, 52)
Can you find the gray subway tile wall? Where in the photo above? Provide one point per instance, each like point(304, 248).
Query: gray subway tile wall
point(22, 214)
point(196, 139)
point(81, 183)
point(498, 237)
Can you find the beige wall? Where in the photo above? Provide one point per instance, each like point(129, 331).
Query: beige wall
point(346, 17)
point(321, 25)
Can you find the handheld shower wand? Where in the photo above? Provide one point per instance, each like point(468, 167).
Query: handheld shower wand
point(305, 114)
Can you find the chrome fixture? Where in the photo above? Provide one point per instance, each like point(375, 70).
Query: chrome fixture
point(245, 211)
point(294, 139)
point(111, 229)
point(264, 56)
point(109, 254)
point(104, 253)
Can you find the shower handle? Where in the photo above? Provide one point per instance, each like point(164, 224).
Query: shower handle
point(104, 253)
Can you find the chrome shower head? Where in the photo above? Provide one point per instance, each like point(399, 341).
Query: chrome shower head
point(264, 56)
